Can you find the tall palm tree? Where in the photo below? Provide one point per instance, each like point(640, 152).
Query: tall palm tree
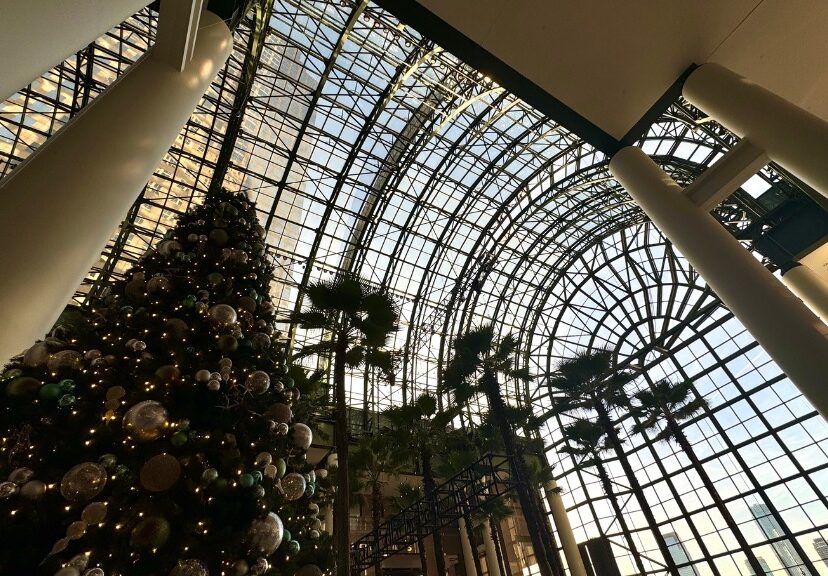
point(357, 319)
point(422, 428)
point(373, 459)
point(589, 384)
point(663, 406)
point(586, 441)
point(407, 495)
point(478, 362)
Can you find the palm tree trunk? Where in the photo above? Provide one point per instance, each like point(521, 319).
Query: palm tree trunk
point(424, 563)
point(376, 514)
point(343, 508)
point(545, 551)
point(430, 490)
point(682, 440)
point(616, 507)
point(505, 567)
point(615, 441)
point(478, 568)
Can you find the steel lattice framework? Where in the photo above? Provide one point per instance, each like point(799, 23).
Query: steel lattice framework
point(370, 149)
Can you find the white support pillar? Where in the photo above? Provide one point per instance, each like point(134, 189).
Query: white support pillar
point(465, 544)
point(431, 556)
point(36, 35)
point(564, 528)
point(491, 554)
point(61, 205)
point(809, 287)
point(329, 523)
point(794, 138)
point(790, 333)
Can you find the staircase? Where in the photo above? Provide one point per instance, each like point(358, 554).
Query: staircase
point(465, 492)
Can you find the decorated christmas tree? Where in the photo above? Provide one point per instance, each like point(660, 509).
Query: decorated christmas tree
point(155, 433)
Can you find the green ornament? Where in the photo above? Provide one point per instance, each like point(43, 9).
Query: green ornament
point(66, 385)
point(168, 374)
point(13, 373)
point(259, 491)
point(228, 344)
point(150, 533)
point(179, 438)
point(257, 476)
point(23, 386)
point(293, 547)
point(286, 535)
point(108, 461)
point(310, 488)
point(289, 383)
point(66, 400)
point(190, 301)
point(281, 467)
point(121, 470)
point(210, 475)
point(50, 391)
point(246, 480)
point(214, 279)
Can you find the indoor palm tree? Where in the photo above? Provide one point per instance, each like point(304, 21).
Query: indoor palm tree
point(589, 384)
point(662, 407)
point(422, 428)
point(373, 459)
point(478, 361)
point(586, 441)
point(356, 319)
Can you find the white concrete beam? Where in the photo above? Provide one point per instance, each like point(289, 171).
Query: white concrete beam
point(725, 176)
point(177, 31)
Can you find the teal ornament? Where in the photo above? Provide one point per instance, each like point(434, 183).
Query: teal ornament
point(259, 491)
point(66, 385)
point(179, 438)
point(50, 391)
point(66, 400)
point(289, 383)
point(246, 480)
point(293, 547)
point(257, 476)
point(127, 309)
point(310, 489)
point(286, 535)
point(108, 461)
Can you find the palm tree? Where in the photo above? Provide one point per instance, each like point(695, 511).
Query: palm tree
point(421, 427)
point(407, 495)
point(589, 384)
point(586, 441)
point(374, 457)
point(665, 405)
point(358, 318)
point(478, 361)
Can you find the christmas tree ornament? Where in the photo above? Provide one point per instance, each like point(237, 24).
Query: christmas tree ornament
point(202, 376)
point(219, 237)
point(21, 475)
point(265, 534)
point(190, 567)
point(260, 566)
point(23, 387)
point(8, 489)
point(75, 530)
point(160, 472)
point(146, 420)
point(228, 344)
point(309, 570)
point(258, 382)
point(246, 303)
point(94, 572)
point(279, 412)
point(68, 571)
point(169, 248)
point(94, 513)
point(64, 360)
point(83, 482)
point(271, 471)
point(37, 355)
point(33, 490)
point(302, 436)
point(159, 285)
point(294, 486)
point(149, 533)
point(263, 458)
point(240, 568)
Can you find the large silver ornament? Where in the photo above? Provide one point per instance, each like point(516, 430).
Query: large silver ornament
point(302, 436)
point(146, 420)
point(266, 534)
point(223, 314)
point(83, 482)
point(294, 485)
point(190, 567)
point(258, 382)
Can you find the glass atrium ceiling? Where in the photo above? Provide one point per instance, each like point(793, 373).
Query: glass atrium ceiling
point(369, 149)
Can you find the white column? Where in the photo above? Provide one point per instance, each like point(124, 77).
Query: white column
point(36, 35)
point(790, 333)
point(465, 544)
point(329, 523)
point(431, 556)
point(794, 138)
point(61, 205)
point(491, 553)
point(564, 528)
point(809, 287)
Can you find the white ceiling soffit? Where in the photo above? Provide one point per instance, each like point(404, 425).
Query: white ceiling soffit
point(610, 60)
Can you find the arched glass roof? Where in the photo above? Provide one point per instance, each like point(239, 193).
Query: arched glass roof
point(371, 150)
